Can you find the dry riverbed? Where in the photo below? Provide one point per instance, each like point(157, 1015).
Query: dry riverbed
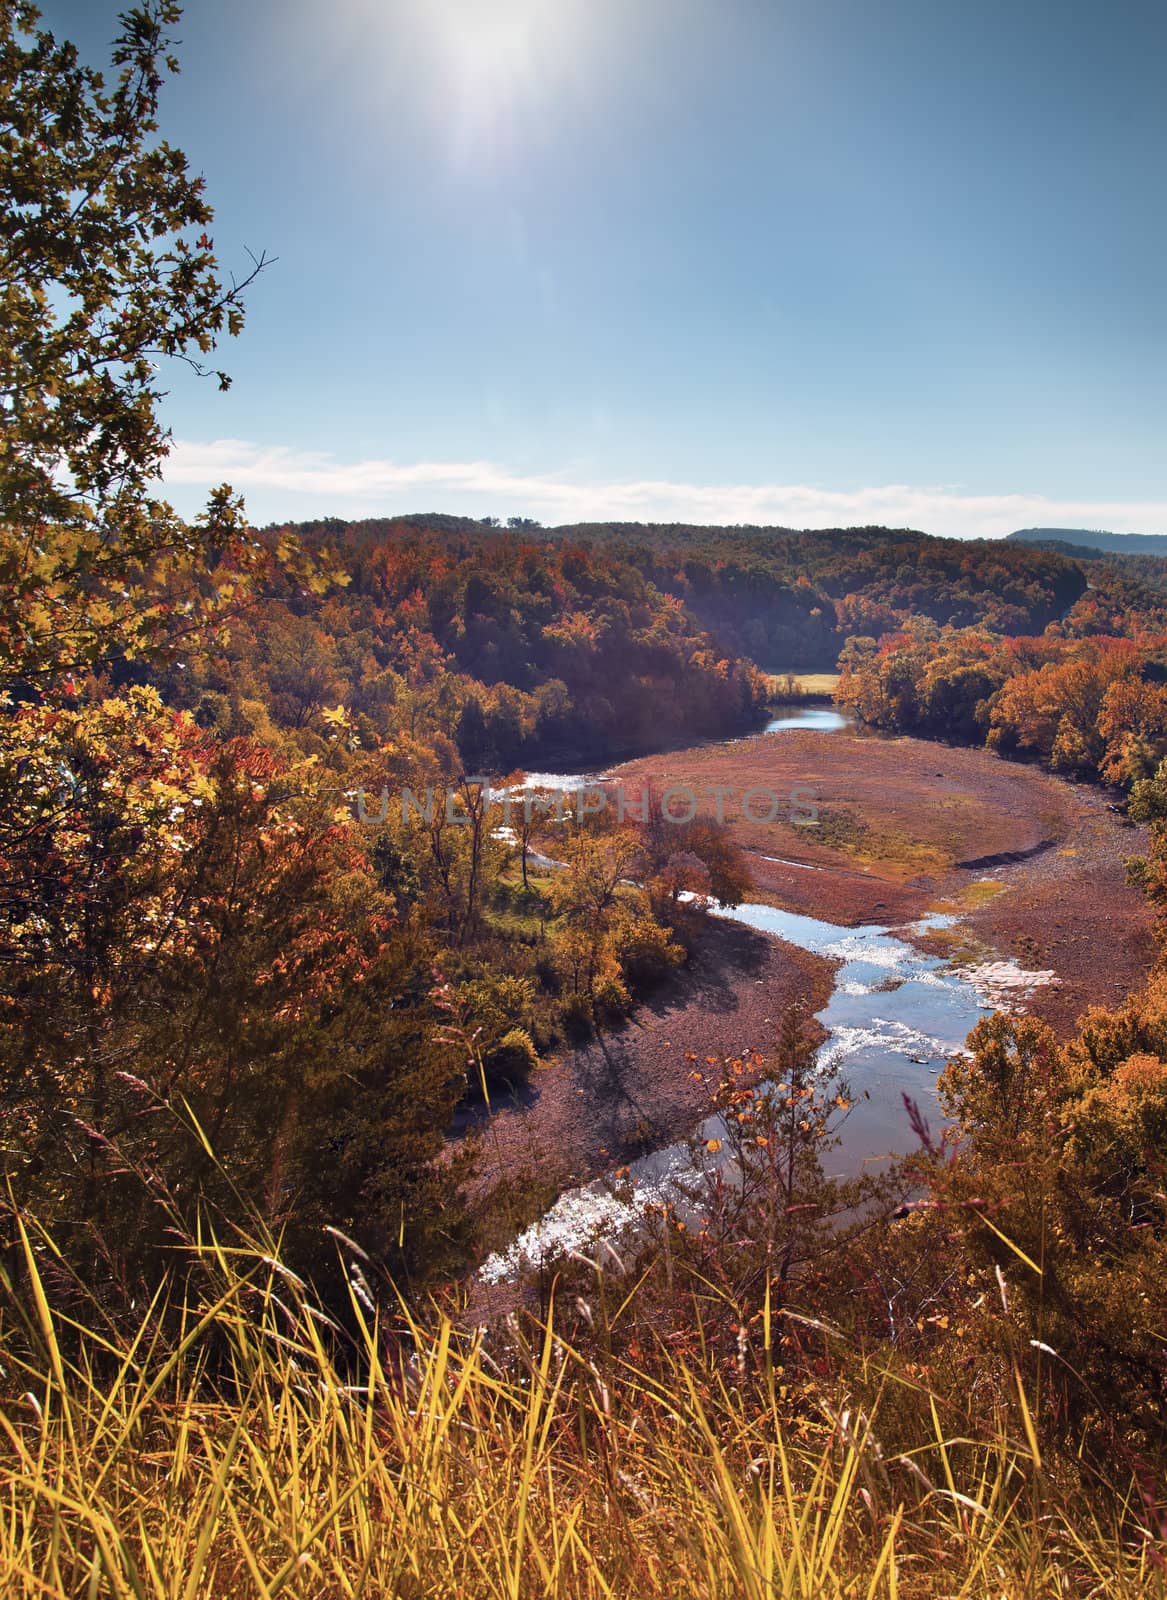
point(590, 1109)
point(1032, 864)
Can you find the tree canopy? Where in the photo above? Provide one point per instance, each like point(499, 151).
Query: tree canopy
point(108, 277)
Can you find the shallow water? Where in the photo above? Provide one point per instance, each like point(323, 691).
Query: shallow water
point(886, 1041)
point(895, 1016)
point(820, 719)
point(553, 782)
point(816, 718)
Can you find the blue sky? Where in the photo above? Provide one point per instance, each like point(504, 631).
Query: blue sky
point(818, 262)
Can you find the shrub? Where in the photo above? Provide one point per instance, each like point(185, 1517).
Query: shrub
point(612, 1000)
point(577, 1016)
point(513, 1058)
point(647, 952)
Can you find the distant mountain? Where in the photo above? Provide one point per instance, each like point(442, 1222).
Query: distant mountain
point(1125, 544)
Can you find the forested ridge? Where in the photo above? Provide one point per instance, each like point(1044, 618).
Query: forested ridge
point(781, 597)
point(1087, 696)
point(577, 645)
point(1136, 546)
point(517, 650)
point(860, 579)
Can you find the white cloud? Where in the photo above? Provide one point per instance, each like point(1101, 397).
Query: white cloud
point(281, 482)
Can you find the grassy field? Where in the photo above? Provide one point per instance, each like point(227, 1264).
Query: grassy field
point(237, 1447)
point(808, 683)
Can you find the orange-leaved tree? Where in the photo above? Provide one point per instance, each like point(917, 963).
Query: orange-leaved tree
point(209, 997)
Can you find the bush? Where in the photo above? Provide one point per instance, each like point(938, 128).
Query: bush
point(548, 974)
point(612, 1000)
point(513, 1058)
point(577, 1017)
point(647, 953)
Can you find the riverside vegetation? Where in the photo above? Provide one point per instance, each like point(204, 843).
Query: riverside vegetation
point(241, 1349)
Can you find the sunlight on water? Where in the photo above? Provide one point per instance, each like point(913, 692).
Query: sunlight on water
point(888, 1041)
point(818, 719)
point(895, 1016)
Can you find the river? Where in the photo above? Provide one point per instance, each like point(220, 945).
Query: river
point(895, 1016)
point(816, 719)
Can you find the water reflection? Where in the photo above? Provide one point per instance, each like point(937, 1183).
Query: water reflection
point(818, 719)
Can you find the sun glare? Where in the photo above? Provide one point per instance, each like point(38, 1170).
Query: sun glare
point(503, 67)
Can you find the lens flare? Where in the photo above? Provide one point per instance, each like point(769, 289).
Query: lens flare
point(505, 67)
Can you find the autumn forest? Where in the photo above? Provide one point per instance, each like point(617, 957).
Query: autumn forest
point(286, 1074)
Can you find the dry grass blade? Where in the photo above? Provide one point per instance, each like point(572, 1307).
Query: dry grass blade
point(233, 1448)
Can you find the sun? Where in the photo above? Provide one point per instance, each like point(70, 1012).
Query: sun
point(504, 67)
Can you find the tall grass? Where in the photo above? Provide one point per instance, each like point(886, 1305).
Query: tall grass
point(234, 1443)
